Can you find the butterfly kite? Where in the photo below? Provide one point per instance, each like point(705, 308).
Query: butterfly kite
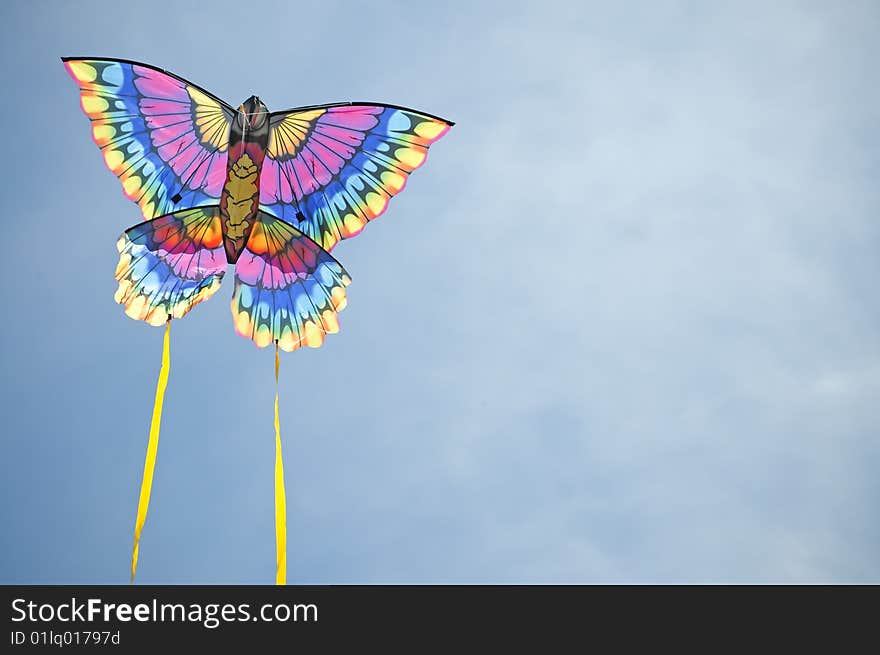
point(269, 192)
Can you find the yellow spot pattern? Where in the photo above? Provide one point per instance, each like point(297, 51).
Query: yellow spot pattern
point(430, 129)
point(83, 71)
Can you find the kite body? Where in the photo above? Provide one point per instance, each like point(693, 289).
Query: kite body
point(271, 193)
point(240, 198)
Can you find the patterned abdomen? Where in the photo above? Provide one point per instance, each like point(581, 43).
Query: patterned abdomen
point(240, 198)
point(238, 204)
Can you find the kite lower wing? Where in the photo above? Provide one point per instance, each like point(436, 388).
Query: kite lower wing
point(170, 264)
point(287, 288)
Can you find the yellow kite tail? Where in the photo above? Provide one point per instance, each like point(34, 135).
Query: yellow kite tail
point(280, 499)
point(152, 446)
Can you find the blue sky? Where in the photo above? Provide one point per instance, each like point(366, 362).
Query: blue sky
point(622, 327)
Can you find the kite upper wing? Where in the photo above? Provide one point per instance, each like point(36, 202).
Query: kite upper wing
point(163, 137)
point(330, 169)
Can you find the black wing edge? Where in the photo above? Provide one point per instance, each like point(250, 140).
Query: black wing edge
point(275, 114)
point(222, 103)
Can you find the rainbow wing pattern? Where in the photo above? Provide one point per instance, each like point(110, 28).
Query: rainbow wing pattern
point(330, 169)
point(287, 288)
point(163, 137)
point(170, 264)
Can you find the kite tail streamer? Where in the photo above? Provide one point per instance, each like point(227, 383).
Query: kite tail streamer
point(280, 499)
point(152, 446)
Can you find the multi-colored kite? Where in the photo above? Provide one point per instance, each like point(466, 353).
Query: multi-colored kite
point(270, 193)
